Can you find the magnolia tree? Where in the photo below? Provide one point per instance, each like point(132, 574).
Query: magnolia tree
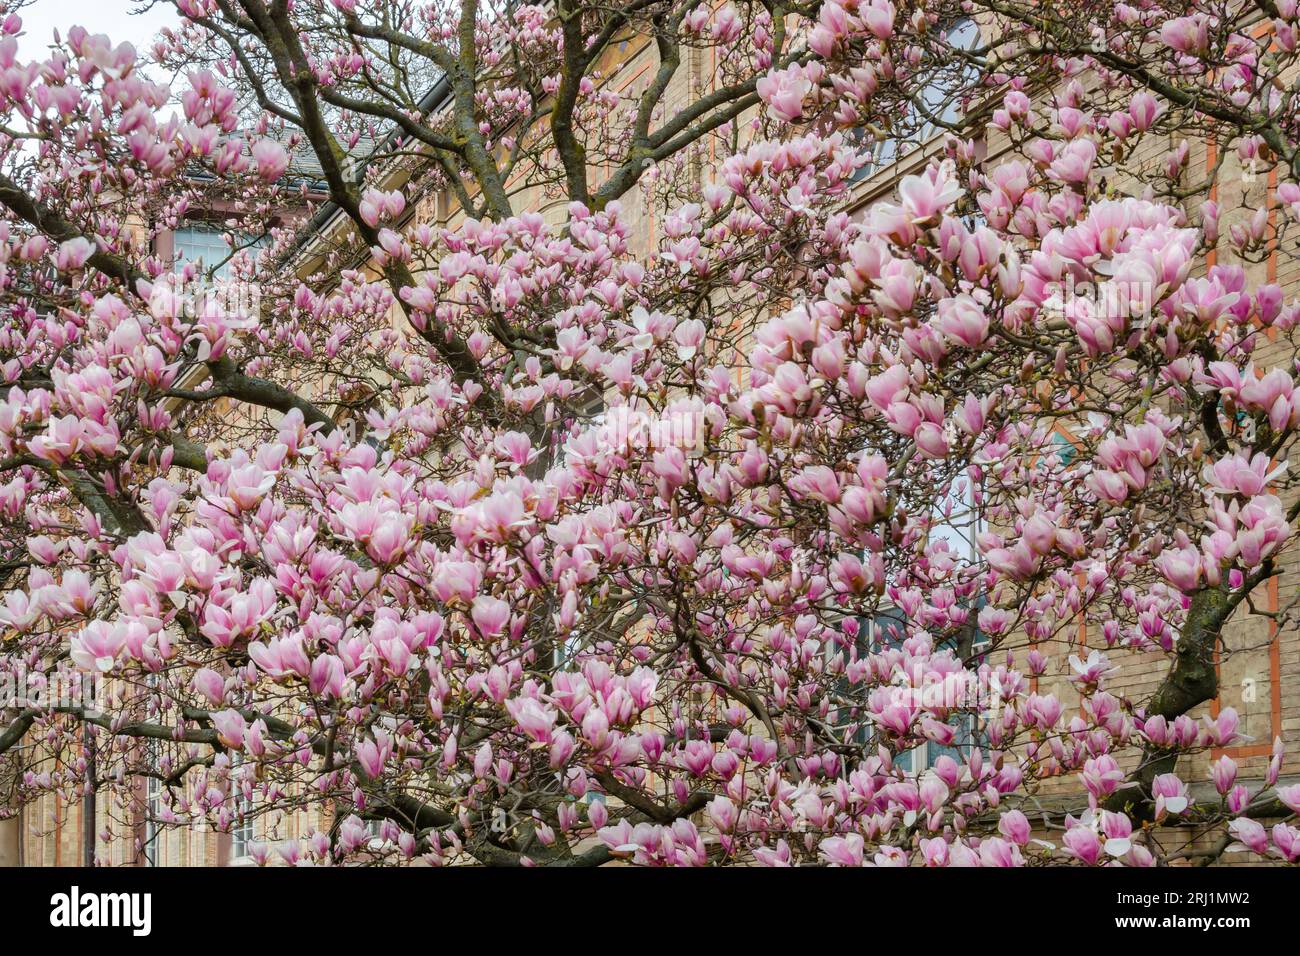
point(530, 545)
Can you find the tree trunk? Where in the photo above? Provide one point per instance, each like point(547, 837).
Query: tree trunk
point(1193, 679)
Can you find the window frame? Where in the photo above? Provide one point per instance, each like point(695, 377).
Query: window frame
point(243, 829)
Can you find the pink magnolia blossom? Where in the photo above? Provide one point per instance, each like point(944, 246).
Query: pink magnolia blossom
point(681, 513)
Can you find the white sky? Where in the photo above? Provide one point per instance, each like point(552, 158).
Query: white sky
point(117, 18)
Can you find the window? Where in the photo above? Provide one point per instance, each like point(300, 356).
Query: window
point(566, 651)
point(956, 519)
point(884, 628)
point(889, 627)
point(592, 417)
point(241, 831)
point(964, 718)
point(926, 755)
point(881, 629)
point(196, 243)
point(152, 806)
point(1065, 449)
point(375, 828)
point(941, 97)
point(939, 102)
point(241, 835)
point(153, 787)
point(200, 242)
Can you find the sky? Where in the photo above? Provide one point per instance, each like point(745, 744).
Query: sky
point(117, 18)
